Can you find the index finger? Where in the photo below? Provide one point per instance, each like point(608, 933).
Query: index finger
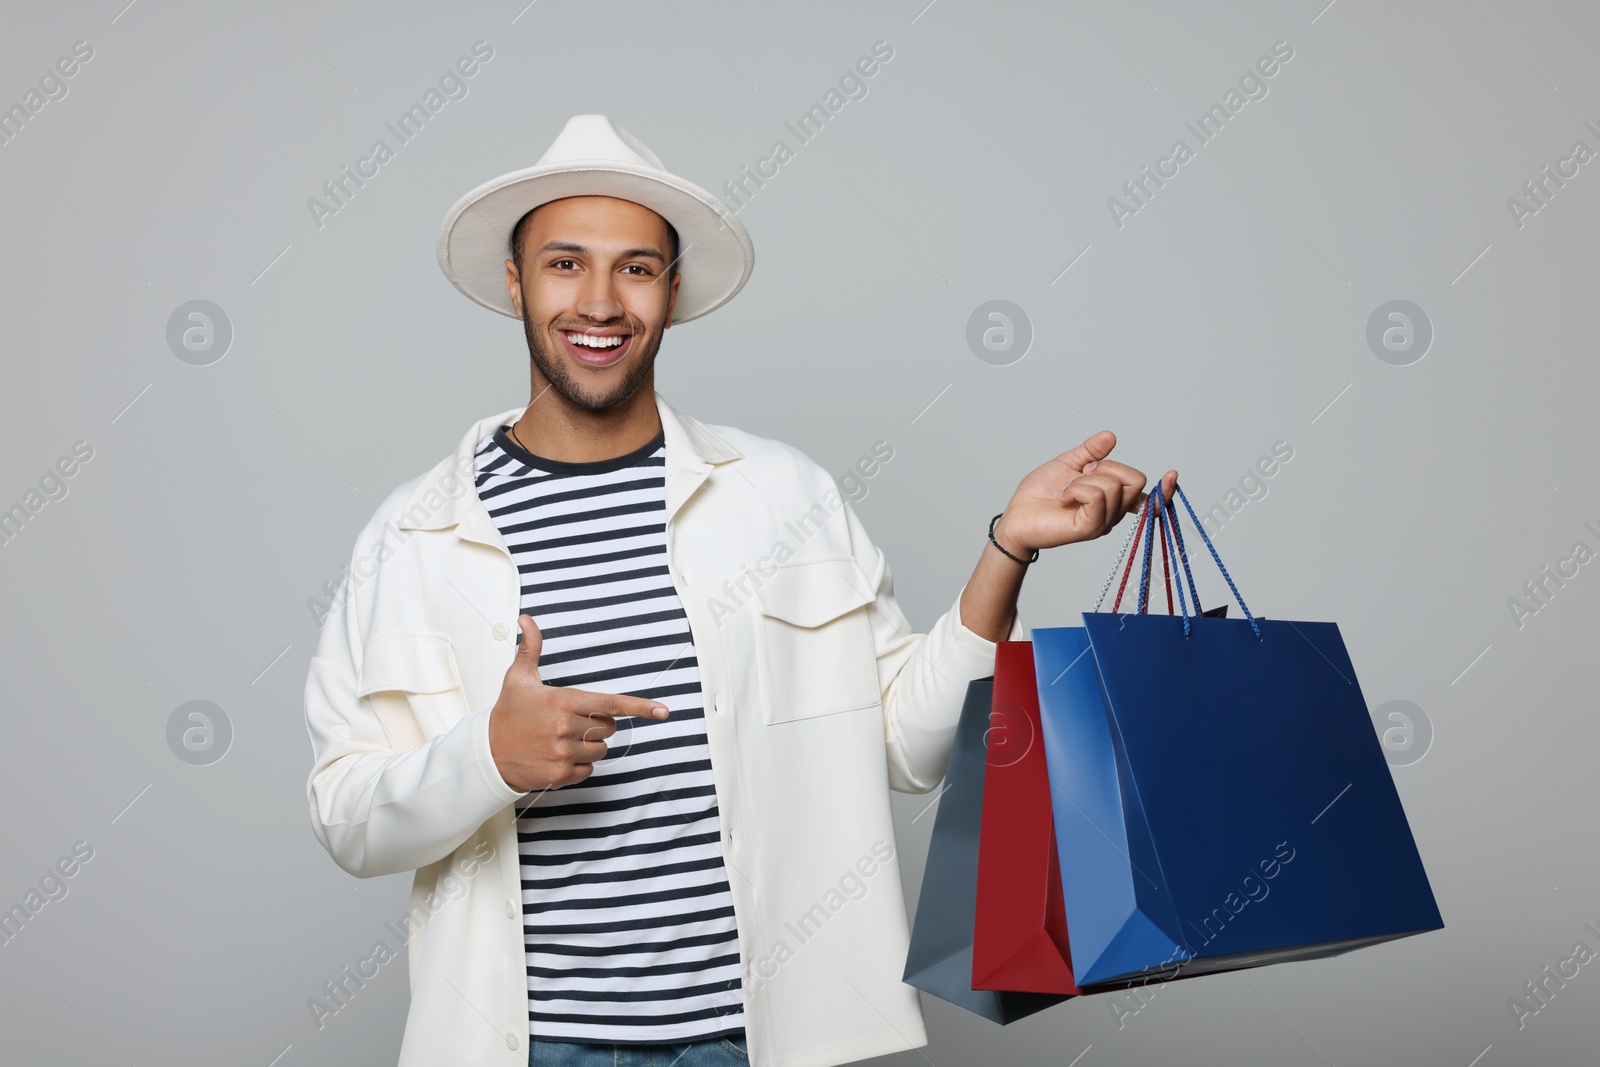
point(1123, 473)
point(1129, 480)
point(617, 706)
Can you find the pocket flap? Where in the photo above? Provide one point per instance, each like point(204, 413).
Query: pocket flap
point(810, 593)
point(411, 663)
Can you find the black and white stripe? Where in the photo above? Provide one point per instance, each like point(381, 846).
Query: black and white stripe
point(627, 913)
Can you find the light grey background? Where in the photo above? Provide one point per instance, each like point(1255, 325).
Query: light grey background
point(1228, 314)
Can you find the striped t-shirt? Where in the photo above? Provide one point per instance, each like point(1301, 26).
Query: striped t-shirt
point(627, 915)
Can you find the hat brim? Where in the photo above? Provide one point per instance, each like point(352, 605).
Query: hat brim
point(715, 255)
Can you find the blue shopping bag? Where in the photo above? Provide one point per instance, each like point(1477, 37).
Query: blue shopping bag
point(1219, 788)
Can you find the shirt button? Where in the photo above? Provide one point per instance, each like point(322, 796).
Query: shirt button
point(500, 631)
point(716, 703)
point(511, 1041)
point(511, 910)
point(688, 579)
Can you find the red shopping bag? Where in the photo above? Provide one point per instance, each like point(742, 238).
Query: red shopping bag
point(1020, 929)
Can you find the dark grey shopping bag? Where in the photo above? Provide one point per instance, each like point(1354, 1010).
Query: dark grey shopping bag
point(940, 957)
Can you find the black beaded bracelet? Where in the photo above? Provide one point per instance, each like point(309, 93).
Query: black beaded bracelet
point(1002, 548)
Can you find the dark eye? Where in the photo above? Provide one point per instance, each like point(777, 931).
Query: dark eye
point(557, 264)
point(641, 267)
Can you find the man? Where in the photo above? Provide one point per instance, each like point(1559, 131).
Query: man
point(655, 827)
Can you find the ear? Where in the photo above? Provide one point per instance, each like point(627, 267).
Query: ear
point(672, 298)
point(514, 286)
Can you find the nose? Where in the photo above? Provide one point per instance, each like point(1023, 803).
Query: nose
point(597, 300)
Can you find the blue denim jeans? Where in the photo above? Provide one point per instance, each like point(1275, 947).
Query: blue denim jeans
point(715, 1052)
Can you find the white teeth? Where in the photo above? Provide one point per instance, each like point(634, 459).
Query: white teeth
point(595, 342)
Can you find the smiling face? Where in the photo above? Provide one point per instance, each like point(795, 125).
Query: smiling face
point(595, 294)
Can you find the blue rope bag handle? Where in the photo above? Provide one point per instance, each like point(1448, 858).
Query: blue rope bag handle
point(1166, 538)
point(1229, 578)
point(1149, 542)
point(1183, 555)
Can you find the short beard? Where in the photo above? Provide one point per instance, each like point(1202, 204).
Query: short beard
point(555, 371)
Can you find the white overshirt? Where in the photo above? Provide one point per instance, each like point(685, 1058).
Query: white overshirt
point(819, 699)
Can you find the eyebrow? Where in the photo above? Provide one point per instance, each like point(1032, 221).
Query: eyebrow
point(628, 253)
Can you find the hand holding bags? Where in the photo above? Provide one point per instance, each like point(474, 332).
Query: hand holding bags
point(1222, 796)
point(1212, 796)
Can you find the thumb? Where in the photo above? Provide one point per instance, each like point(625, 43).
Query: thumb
point(530, 645)
point(1096, 448)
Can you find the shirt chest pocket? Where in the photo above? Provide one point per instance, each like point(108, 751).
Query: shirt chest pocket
point(814, 644)
point(413, 684)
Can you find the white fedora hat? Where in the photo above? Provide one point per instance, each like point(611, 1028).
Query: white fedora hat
point(593, 156)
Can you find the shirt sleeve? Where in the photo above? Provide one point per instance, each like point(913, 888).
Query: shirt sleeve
point(923, 676)
point(380, 803)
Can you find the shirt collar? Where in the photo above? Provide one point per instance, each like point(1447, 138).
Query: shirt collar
point(449, 490)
